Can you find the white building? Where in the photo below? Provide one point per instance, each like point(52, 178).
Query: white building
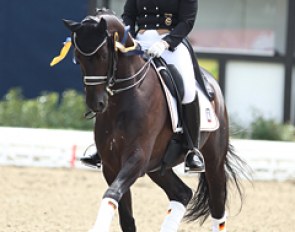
point(251, 44)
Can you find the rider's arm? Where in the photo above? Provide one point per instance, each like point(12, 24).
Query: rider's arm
point(186, 19)
point(129, 15)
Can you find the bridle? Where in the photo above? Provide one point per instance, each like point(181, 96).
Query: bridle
point(110, 79)
point(89, 53)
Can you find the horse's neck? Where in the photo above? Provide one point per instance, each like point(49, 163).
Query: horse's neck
point(129, 65)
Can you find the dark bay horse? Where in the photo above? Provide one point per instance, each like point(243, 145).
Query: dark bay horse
point(133, 128)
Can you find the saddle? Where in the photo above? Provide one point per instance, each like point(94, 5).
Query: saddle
point(173, 78)
point(173, 81)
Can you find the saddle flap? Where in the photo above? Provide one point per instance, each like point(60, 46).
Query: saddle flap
point(209, 121)
point(171, 77)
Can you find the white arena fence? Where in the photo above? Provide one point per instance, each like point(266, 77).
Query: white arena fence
point(63, 148)
point(43, 147)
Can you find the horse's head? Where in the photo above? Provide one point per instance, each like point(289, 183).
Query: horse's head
point(93, 39)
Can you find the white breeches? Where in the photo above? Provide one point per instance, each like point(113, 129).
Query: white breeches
point(180, 57)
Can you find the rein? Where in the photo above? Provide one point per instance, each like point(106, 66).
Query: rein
point(100, 80)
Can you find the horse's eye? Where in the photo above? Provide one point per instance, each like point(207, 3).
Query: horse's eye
point(102, 56)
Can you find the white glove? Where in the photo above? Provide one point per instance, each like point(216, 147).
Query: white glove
point(158, 48)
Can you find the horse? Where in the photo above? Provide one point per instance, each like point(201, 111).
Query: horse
point(133, 128)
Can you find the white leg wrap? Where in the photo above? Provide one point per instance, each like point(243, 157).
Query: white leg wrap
point(105, 215)
point(219, 224)
point(176, 211)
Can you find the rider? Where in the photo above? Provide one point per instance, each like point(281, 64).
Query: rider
point(160, 27)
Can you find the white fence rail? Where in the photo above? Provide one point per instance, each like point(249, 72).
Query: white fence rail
point(43, 147)
point(269, 160)
point(63, 148)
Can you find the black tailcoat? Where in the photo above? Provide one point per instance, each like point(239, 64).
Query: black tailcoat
point(176, 15)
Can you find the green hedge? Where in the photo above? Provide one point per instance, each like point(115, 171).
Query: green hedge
point(50, 110)
point(66, 111)
point(264, 129)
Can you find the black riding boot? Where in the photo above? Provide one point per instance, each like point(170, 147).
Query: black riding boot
point(194, 160)
point(93, 160)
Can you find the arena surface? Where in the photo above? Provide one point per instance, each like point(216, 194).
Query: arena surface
point(58, 200)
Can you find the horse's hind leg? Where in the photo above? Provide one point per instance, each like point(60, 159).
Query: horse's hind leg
point(216, 179)
point(179, 195)
point(211, 193)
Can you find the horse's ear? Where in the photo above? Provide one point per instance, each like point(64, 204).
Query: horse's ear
point(72, 25)
point(102, 25)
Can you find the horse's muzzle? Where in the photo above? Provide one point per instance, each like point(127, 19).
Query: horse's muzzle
point(97, 103)
point(100, 107)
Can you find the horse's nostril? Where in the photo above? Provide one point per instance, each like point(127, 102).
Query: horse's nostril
point(101, 104)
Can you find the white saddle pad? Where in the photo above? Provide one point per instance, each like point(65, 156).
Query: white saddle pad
point(209, 121)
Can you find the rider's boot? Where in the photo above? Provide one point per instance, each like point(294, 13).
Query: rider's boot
point(93, 160)
point(194, 160)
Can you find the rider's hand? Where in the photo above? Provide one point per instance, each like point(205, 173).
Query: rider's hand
point(158, 48)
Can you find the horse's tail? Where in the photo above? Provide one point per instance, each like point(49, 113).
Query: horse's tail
point(235, 169)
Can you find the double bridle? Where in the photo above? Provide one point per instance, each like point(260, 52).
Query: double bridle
point(110, 79)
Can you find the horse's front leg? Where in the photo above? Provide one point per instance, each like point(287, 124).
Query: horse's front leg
point(127, 221)
point(125, 208)
point(130, 170)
